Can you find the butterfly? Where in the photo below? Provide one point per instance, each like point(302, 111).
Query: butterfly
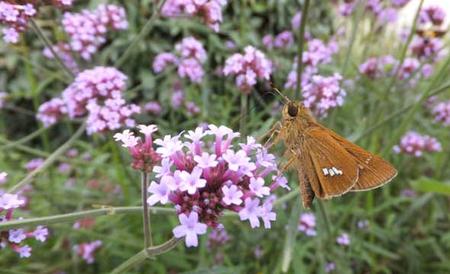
point(327, 164)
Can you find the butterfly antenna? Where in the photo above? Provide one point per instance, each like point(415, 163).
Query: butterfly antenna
point(282, 95)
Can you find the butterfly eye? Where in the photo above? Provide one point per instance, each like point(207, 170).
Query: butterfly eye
point(292, 110)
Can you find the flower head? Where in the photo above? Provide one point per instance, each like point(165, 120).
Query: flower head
point(190, 227)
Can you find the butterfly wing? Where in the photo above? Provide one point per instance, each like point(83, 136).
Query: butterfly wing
point(330, 169)
point(374, 171)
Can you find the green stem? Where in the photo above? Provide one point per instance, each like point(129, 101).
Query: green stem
point(399, 112)
point(242, 121)
point(62, 218)
point(47, 43)
point(145, 30)
point(141, 256)
point(52, 158)
point(355, 24)
point(301, 38)
point(24, 139)
point(324, 214)
point(145, 214)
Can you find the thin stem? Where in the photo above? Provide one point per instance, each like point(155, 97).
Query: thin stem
point(24, 139)
point(145, 215)
point(301, 38)
point(324, 214)
point(145, 30)
point(47, 43)
point(399, 112)
point(244, 110)
point(141, 256)
point(69, 217)
point(355, 24)
point(52, 158)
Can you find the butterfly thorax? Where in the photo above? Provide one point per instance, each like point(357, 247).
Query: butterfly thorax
point(296, 119)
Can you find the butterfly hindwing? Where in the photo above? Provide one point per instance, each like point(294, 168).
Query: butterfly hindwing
point(331, 170)
point(374, 171)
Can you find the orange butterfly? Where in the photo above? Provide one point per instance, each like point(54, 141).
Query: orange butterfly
point(327, 164)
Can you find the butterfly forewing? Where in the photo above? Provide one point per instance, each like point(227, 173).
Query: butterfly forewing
point(333, 171)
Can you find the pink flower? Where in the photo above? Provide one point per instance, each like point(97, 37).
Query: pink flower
point(40, 233)
point(190, 182)
point(251, 212)
point(51, 111)
point(160, 192)
point(432, 14)
point(284, 39)
point(190, 227)
point(232, 195)
point(127, 138)
point(257, 187)
point(296, 21)
point(162, 60)
point(87, 250)
point(323, 94)
point(412, 143)
point(307, 224)
point(34, 164)
point(343, 239)
point(441, 113)
point(248, 68)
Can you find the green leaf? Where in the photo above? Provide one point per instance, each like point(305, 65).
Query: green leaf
point(431, 185)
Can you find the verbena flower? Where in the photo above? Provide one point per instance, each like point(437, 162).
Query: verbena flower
point(296, 20)
point(87, 30)
point(434, 15)
point(307, 224)
point(322, 94)
point(97, 94)
point(343, 239)
point(87, 250)
point(15, 19)
point(153, 107)
point(190, 55)
point(329, 267)
point(204, 172)
point(441, 112)
point(316, 54)
point(284, 39)
point(143, 154)
point(248, 67)
point(34, 164)
point(377, 67)
point(209, 10)
point(64, 52)
point(427, 48)
point(16, 239)
point(217, 237)
point(415, 144)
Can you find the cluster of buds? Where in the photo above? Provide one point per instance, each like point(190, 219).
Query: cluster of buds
point(202, 173)
point(209, 10)
point(16, 238)
point(96, 92)
point(189, 57)
point(248, 68)
point(415, 144)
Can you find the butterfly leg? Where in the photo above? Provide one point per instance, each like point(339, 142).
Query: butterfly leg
point(274, 133)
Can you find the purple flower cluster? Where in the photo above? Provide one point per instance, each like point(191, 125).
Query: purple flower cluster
point(153, 107)
point(433, 15)
point(248, 68)
point(87, 250)
point(384, 11)
point(217, 237)
point(441, 112)
point(323, 93)
point(427, 48)
point(96, 93)
point(203, 173)
point(15, 238)
point(64, 52)
point(209, 10)
point(87, 30)
point(190, 55)
point(415, 144)
point(377, 67)
point(15, 18)
point(284, 39)
point(34, 164)
point(317, 53)
point(307, 224)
